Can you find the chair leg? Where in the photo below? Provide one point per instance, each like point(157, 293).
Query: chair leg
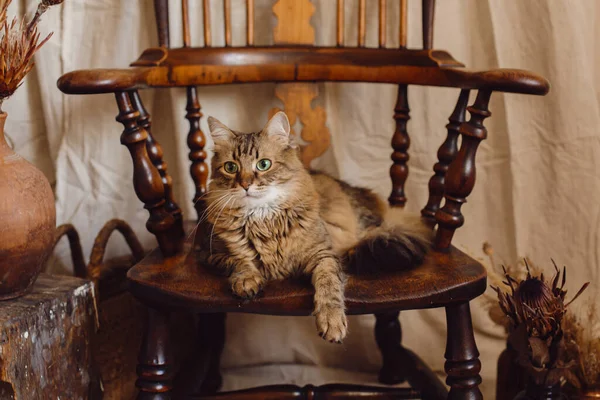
point(462, 357)
point(388, 335)
point(200, 374)
point(212, 330)
point(154, 368)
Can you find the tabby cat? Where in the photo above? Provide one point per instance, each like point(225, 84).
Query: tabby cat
point(269, 218)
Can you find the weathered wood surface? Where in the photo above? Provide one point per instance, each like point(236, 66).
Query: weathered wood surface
point(45, 338)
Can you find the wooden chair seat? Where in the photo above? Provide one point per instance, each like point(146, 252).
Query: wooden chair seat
point(162, 67)
point(181, 281)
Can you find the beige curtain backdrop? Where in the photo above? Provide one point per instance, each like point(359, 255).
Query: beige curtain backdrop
point(537, 180)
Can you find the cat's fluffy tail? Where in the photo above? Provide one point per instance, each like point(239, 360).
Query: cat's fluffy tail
point(400, 242)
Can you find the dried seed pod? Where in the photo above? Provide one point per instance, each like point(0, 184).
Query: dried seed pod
point(537, 303)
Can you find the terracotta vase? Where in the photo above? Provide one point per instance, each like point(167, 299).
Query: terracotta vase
point(27, 221)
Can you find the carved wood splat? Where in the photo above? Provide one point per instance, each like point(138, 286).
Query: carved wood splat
point(297, 99)
point(293, 22)
point(294, 27)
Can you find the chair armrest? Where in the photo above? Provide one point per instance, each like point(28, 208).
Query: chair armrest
point(93, 81)
point(114, 80)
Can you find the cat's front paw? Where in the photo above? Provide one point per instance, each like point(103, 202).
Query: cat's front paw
point(332, 324)
point(246, 286)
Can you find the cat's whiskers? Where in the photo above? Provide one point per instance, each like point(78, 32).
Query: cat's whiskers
point(215, 223)
point(206, 210)
point(213, 206)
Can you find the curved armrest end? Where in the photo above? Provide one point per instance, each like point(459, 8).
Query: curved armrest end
point(513, 81)
point(92, 81)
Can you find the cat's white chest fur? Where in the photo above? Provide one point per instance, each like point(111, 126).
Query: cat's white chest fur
point(258, 214)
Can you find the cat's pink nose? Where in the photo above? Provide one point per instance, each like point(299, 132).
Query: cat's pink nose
point(245, 185)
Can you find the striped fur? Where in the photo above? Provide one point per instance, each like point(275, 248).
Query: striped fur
point(294, 222)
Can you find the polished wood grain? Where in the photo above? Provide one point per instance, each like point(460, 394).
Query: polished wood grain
point(185, 18)
point(403, 25)
point(462, 357)
point(446, 154)
point(340, 23)
point(181, 281)
point(155, 152)
point(252, 65)
point(428, 12)
point(400, 144)
point(155, 368)
point(206, 23)
point(302, 52)
point(362, 22)
point(147, 181)
point(250, 22)
point(382, 22)
point(460, 178)
point(161, 11)
point(196, 142)
point(227, 17)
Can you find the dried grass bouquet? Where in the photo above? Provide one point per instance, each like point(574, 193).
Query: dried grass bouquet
point(19, 40)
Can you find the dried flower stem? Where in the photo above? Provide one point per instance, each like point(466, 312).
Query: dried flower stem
point(41, 9)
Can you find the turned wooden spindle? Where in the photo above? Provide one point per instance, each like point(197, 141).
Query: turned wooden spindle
point(428, 14)
point(161, 11)
point(403, 24)
point(460, 177)
point(147, 181)
point(340, 23)
point(382, 22)
point(388, 335)
point(445, 154)
point(206, 22)
point(154, 369)
point(362, 22)
point(185, 17)
point(400, 144)
point(155, 152)
point(196, 142)
point(227, 17)
point(462, 357)
point(250, 22)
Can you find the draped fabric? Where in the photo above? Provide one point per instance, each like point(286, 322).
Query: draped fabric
point(537, 177)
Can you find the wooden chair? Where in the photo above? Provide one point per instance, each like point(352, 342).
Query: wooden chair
point(171, 279)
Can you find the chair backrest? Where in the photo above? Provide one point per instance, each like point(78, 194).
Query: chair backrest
point(294, 27)
point(296, 11)
point(295, 65)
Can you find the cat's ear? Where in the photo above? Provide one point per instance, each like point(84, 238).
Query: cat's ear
point(218, 130)
point(278, 128)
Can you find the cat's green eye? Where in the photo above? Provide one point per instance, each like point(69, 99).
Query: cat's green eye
point(230, 167)
point(263, 165)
